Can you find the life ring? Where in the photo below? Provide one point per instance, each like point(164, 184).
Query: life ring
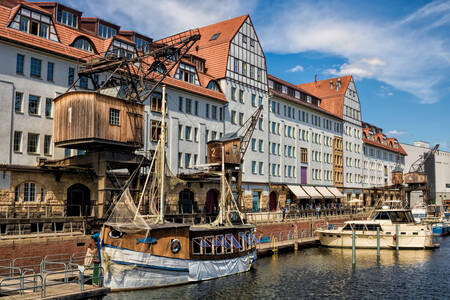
point(175, 245)
point(394, 237)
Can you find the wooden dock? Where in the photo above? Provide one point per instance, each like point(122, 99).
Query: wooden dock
point(68, 291)
point(268, 248)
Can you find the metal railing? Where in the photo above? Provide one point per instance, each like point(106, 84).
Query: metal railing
point(15, 210)
point(295, 215)
point(54, 269)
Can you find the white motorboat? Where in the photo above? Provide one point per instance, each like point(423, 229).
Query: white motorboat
point(409, 234)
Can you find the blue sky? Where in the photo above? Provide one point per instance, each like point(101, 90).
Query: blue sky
point(398, 51)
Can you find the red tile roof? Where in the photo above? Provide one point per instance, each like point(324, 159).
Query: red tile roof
point(378, 140)
point(295, 100)
point(67, 35)
point(332, 99)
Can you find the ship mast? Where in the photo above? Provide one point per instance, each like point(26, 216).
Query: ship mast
point(162, 145)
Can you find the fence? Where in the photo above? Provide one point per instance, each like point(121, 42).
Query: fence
point(52, 270)
point(306, 214)
point(28, 210)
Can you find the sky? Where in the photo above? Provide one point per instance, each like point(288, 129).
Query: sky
point(397, 51)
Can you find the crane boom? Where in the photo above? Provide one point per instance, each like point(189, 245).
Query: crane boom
point(248, 128)
point(417, 166)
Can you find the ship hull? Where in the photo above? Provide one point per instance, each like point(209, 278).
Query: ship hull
point(127, 269)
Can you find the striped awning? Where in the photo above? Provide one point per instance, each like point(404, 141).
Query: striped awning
point(298, 191)
point(335, 192)
point(312, 192)
point(325, 192)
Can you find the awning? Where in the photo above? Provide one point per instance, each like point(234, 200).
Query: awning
point(335, 192)
point(298, 191)
point(312, 192)
point(325, 192)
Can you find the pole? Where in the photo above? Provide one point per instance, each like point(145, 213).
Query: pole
point(222, 186)
point(378, 241)
point(162, 145)
point(397, 238)
point(353, 247)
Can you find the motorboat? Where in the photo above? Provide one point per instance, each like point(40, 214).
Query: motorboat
point(396, 225)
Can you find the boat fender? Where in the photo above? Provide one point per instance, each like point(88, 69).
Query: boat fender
point(175, 246)
point(394, 237)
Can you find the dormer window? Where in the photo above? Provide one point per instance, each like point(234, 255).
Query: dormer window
point(308, 99)
point(213, 86)
point(141, 45)
point(297, 94)
point(67, 18)
point(34, 23)
point(271, 84)
point(83, 44)
point(122, 49)
point(187, 73)
point(214, 36)
point(284, 89)
point(105, 31)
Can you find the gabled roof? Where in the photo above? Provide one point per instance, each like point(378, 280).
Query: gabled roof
point(332, 98)
point(215, 52)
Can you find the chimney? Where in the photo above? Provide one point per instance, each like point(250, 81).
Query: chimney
point(331, 83)
point(315, 79)
point(338, 84)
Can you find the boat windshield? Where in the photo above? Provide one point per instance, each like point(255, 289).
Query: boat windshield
point(400, 217)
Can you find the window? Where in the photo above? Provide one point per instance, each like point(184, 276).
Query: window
point(196, 134)
point(253, 100)
point(29, 192)
point(34, 23)
point(261, 146)
point(244, 68)
point(18, 104)
point(83, 82)
point(252, 72)
point(50, 68)
point(187, 73)
point(187, 160)
point(233, 117)
point(141, 44)
point(114, 116)
point(121, 49)
point(188, 106)
point(261, 168)
point(260, 124)
point(207, 111)
point(105, 31)
point(83, 44)
point(155, 130)
point(33, 142)
point(304, 155)
point(19, 63)
point(236, 65)
point(48, 107)
point(35, 67)
point(260, 100)
point(214, 112)
point(33, 105)
point(180, 132)
point(221, 113)
point(71, 76)
point(214, 36)
point(17, 141)
point(196, 108)
point(188, 133)
point(180, 104)
point(67, 18)
point(259, 75)
point(241, 96)
point(47, 144)
point(253, 167)
point(233, 93)
point(212, 86)
point(241, 119)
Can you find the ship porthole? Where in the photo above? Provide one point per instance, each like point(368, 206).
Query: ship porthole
point(115, 234)
point(175, 246)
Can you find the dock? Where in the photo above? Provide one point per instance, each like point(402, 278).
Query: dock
point(276, 246)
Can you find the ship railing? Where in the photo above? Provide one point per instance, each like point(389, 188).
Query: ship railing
point(301, 214)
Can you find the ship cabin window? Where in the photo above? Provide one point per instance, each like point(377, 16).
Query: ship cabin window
point(209, 242)
point(400, 217)
point(373, 227)
point(228, 245)
point(382, 215)
point(114, 116)
point(347, 227)
point(359, 227)
point(218, 244)
point(196, 246)
point(242, 241)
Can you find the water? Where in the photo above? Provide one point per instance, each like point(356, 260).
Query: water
point(319, 273)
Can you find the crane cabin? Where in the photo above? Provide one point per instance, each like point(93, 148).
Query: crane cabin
point(232, 147)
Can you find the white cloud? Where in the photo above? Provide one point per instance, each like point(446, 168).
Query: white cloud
point(159, 19)
point(396, 132)
point(297, 68)
point(390, 94)
point(411, 54)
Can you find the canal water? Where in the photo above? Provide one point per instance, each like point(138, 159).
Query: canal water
point(319, 273)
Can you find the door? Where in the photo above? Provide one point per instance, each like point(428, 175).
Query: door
point(256, 199)
point(273, 203)
point(78, 201)
point(303, 175)
point(186, 201)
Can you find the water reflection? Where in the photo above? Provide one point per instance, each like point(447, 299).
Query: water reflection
point(326, 273)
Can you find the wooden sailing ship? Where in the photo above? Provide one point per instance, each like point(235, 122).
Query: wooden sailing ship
point(139, 251)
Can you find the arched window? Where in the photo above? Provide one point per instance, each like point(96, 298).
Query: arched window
point(212, 85)
point(29, 192)
point(83, 44)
